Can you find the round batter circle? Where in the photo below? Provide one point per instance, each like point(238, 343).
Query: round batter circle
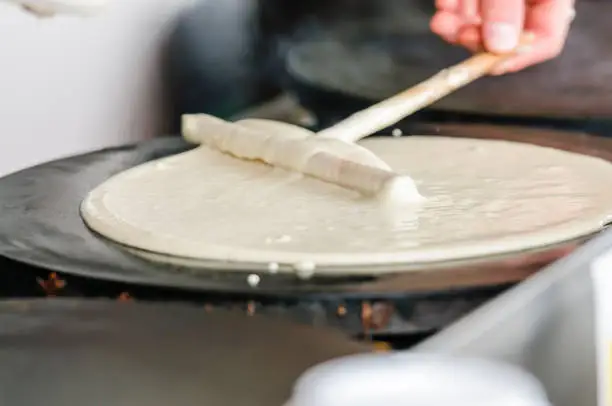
point(484, 197)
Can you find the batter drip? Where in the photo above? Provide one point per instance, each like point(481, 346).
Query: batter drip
point(484, 197)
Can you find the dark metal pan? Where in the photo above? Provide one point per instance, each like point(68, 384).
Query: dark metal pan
point(40, 225)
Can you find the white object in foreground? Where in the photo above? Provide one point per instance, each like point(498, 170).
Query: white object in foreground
point(601, 270)
point(406, 379)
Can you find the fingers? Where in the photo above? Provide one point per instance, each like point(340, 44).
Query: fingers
point(470, 38)
point(447, 5)
point(549, 22)
point(502, 24)
point(541, 50)
point(497, 25)
point(469, 10)
point(550, 18)
point(446, 25)
point(453, 17)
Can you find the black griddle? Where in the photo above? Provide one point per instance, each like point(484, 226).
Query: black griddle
point(73, 353)
point(40, 225)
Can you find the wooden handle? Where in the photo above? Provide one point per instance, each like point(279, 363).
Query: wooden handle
point(394, 109)
point(297, 152)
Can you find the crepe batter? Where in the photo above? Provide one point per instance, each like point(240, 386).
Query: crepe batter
point(483, 197)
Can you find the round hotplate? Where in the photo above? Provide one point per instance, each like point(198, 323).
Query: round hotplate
point(40, 225)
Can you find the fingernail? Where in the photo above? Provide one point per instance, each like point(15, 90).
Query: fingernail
point(501, 37)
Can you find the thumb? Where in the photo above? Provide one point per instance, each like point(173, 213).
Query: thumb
point(502, 24)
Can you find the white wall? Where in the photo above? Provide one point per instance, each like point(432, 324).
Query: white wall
point(69, 85)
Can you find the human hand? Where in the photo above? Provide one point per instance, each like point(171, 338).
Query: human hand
point(496, 25)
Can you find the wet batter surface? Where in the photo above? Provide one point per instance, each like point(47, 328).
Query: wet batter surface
point(484, 197)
